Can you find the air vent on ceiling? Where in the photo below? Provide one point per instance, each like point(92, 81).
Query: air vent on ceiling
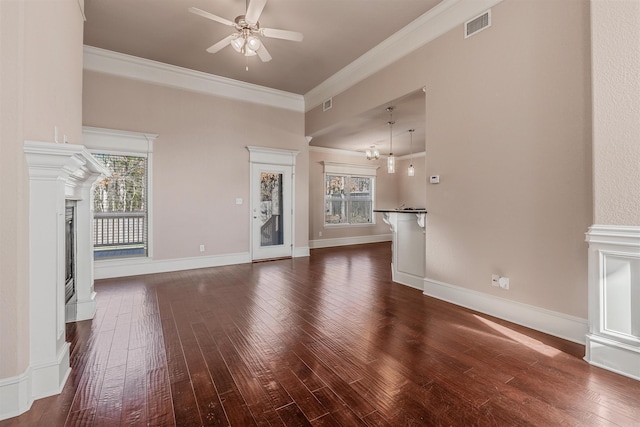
point(326, 105)
point(477, 24)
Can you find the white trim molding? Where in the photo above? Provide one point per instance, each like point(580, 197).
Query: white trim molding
point(301, 252)
point(347, 241)
point(350, 169)
point(272, 156)
point(128, 143)
point(427, 27)
point(15, 395)
point(613, 341)
point(114, 140)
point(158, 73)
point(550, 322)
point(107, 269)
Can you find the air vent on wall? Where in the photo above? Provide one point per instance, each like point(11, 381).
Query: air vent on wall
point(326, 105)
point(477, 24)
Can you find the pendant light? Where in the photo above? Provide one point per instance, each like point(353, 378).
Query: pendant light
point(391, 161)
point(411, 170)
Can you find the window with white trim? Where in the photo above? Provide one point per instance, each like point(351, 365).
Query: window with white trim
point(349, 194)
point(121, 202)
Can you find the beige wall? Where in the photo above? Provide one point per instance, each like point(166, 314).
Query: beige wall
point(40, 87)
point(509, 133)
point(200, 160)
point(411, 190)
point(616, 111)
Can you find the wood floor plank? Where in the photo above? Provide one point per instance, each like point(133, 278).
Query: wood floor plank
point(134, 393)
point(160, 409)
point(326, 340)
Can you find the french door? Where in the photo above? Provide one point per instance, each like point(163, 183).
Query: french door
point(271, 211)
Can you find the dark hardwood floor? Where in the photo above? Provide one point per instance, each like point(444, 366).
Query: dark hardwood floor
point(325, 341)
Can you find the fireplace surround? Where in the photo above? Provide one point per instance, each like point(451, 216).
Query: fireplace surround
point(58, 173)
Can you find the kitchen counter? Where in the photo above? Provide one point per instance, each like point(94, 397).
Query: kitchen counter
point(408, 245)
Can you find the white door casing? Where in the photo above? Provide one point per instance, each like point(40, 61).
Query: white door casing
point(279, 164)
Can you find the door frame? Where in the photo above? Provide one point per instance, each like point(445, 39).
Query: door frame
point(271, 157)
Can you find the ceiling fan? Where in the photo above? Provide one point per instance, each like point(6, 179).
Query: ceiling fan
point(246, 40)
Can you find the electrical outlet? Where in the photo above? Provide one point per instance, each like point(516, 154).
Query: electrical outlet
point(494, 280)
point(201, 248)
point(504, 283)
point(319, 233)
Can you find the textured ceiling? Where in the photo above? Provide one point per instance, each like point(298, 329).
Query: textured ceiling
point(336, 32)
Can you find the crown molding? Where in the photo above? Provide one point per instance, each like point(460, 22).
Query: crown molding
point(429, 26)
point(132, 67)
point(339, 151)
point(313, 148)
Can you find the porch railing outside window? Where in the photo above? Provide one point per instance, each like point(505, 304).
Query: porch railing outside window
point(119, 233)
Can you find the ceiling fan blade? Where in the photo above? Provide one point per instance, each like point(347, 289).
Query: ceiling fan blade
point(282, 34)
point(221, 44)
point(254, 10)
point(210, 16)
point(263, 53)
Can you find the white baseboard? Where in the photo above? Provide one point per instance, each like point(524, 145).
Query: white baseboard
point(48, 379)
point(407, 279)
point(18, 393)
point(550, 322)
point(346, 241)
point(136, 266)
point(613, 355)
point(15, 395)
point(301, 252)
point(81, 310)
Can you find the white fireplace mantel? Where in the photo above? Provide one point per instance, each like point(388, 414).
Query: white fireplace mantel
point(57, 172)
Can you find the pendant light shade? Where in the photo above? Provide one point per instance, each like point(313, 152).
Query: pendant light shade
point(411, 171)
point(391, 164)
point(391, 161)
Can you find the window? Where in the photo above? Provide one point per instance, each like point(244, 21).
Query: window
point(120, 207)
point(122, 219)
point(349, 194)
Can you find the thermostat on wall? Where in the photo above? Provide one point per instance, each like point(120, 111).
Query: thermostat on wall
point(434, 179)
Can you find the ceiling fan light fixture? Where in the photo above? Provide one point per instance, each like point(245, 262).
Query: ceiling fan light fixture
point(246, 40)
point(237, 44)
point(253, 43)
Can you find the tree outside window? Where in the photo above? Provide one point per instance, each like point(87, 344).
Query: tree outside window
point(348, 199)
